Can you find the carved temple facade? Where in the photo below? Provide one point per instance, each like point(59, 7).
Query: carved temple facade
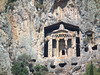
point(62, 40)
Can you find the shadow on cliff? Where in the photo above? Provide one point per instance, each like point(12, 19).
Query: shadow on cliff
point(60, 3)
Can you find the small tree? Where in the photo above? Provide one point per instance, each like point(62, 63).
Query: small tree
point(90, 69)
point(19, 69)
point(19, 66)
point(40, 70)
point(24, 58)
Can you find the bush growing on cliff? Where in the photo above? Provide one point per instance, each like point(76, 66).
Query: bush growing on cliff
point(24, 58)
point(19, 68)
point(9, 3)
point(40, 70)
point(91, 70)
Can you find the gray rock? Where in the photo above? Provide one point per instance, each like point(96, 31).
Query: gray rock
point(5, 63)
point(76, 68)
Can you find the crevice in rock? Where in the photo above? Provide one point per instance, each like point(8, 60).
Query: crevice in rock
point(62, 64)
point(74, 63)
point(33, 60)
point(60, 3)
point(53, 66)
point(86, 49)
point(94, 47)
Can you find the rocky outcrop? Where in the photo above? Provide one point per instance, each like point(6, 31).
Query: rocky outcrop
point(5, 42)
point(22, 26)
point(5, 64)
point(2, 5)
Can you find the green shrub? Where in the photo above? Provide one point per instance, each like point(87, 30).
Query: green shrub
point(91, 70)
point(24, 58)
point(39, 4)
point(19, 68)
point(40, 70)
point(99, 69)
point(9, 3)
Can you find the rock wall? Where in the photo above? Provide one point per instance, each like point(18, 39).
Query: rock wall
point(22, 26)
point(5, 63)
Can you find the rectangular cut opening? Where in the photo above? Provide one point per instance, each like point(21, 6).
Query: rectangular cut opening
point(63, 52)
point(89, 35)
point(54, 43)
point(62, 46)
point(53, 47)
point(46, 49)
point(86, 49)
point(77, 46)
point(69, 43)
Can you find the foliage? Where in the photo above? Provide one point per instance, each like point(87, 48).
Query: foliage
point(19, 68)
point(39, 4)
point(24, 58)
point(88, 39)
point(98, 70)
point(9, 3)
point(91, 70)
point(40, 70)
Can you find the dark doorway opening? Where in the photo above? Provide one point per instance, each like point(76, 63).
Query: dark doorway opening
point(54, 47)
point(46, 49)
point(86, 49)
point(77, 46)
point(61, 44)
point(63, 52)
point(54, 43)
point(69, 43)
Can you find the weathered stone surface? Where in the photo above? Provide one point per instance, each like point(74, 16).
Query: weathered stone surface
point(22, 29)
point(76, 68)
point(2, 5)
point(5, 63)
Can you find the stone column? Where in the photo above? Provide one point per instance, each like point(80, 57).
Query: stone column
point(74, 46)
point(57, 50)
point(66, 46)
point(50, 47)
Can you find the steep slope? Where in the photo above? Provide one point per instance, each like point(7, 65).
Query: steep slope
point(22, 26)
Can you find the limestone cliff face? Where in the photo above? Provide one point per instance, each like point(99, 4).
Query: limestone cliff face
point(22, 26)
point(2, 5)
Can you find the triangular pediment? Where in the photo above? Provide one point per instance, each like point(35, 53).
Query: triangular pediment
point(61, 29)
point(55, 28)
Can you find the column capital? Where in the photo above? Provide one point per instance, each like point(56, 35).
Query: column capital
point(65, 39)
point(57, 49)
point(57, 39)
